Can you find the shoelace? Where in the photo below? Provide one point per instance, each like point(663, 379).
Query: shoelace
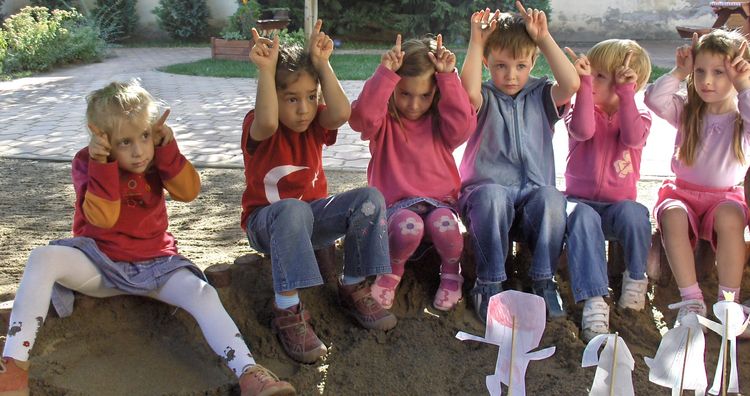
point(693, 306)
point(263, 375)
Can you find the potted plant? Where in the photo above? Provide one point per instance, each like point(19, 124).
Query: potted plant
point(236, 37)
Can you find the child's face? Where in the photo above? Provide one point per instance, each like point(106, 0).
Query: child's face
point(133, 145)
point(603, 88)
point(298, 102)
point(509, 74)
point(710, 78)
point(413, 96)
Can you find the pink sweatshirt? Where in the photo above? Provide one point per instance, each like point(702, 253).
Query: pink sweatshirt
point(715, 165)
point(604, 156)
point(415, 161)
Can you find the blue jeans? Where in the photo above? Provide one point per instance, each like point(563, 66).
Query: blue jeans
point(491, 211)
point(289, 230)
point(590, 223)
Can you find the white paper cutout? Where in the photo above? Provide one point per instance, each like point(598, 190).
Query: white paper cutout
point(667, 367)
point(623, 368)
point(527, 313)
point(731, 312)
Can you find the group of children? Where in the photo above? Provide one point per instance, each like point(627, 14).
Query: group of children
point(415, 111)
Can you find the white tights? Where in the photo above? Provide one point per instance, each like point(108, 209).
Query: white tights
point(71, 268)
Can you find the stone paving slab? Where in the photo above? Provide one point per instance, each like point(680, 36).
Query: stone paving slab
point(42, 117)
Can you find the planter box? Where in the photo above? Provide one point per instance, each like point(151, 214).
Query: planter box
point(231, 49)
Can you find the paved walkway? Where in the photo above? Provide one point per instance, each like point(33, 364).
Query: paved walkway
point(42, 117)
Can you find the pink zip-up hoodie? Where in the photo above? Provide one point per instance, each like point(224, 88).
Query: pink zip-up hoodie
point(416, 160)
point(604, 157)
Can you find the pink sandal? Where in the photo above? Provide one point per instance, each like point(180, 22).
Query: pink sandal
point(383, 290)
point(449, 292)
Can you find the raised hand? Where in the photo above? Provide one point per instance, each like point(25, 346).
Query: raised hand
point(738, 69)
point(483, 22)
point(394, 58)
point(443, 59)
point(624, 74)
point(536, 22)
point(580, 62)
point(321, 46)
point(684, 59)
point(163, 134)
point(99, 147)
point(265, 52)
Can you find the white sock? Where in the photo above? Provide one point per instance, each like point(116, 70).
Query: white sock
point(284, 302)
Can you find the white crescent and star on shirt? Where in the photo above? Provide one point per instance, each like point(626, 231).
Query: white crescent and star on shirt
point(272, 178)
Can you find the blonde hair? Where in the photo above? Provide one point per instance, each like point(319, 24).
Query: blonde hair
point(416, 62)
point(510, 34)
point(608, 55)
point(108, 107)
point(722, 43)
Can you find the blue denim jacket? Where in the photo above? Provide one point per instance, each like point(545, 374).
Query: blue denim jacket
point(512, 145)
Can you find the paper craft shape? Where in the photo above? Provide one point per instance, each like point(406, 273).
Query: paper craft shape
point(679, 362)
point(515, 323)
point(733, 323)
point(614, 371)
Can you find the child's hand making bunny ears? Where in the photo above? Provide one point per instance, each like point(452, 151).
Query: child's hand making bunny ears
point(536, 22)
point(684, 59)
point(265, 52)
point(483, 22)
point(580, 62)
point(320, 46)
point(738, 69)
point(393, 59)
point(99, 147)
point(443, 59)
point(624, 74)
point(163, 134)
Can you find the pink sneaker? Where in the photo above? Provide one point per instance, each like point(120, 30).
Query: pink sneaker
point(449, 292)
point(384, 289)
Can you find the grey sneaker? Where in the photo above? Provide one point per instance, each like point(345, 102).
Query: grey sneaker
point(480, 296)
point(633, 293)
point(686, 307)
point(595, 318)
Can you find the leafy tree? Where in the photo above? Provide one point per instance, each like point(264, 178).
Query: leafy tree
point(183, 19)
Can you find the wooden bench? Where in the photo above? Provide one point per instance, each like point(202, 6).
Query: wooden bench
point(728, 13)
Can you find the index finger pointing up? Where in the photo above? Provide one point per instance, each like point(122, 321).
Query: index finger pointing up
point(162, 119)
point(318, 25)
point(439, 42)
point(256, 36)
point(520, 8)
point(571, 54)
point(398, 43)
point(628, 56)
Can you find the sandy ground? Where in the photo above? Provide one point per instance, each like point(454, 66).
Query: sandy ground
point(135, 346)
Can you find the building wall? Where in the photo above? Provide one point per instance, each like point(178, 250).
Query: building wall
point(219, 11)
point(594, 20)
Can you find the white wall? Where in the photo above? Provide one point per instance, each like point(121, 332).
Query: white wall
point(218, 9)
point(594, 20)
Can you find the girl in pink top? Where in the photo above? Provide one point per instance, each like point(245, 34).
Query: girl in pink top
point(713, 136)
point(413, 130)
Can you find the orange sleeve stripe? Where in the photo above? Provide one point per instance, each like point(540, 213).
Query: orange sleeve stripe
point(186, 185)
point(100, 212)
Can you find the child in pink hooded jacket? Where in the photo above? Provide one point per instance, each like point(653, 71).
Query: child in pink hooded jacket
point(414, 112)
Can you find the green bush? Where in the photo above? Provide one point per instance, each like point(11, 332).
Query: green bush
point(55, 4)
point(380, 20)
point(291, 38)
point(242, 22)
point(183, 19)
point(116, 19)
point(38, 39)
point(3, 49)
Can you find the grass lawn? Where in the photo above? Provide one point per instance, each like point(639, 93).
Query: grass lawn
point(347, 67)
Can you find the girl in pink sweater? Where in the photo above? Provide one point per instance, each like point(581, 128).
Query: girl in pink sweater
point(413, 130)
point(713, 137)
